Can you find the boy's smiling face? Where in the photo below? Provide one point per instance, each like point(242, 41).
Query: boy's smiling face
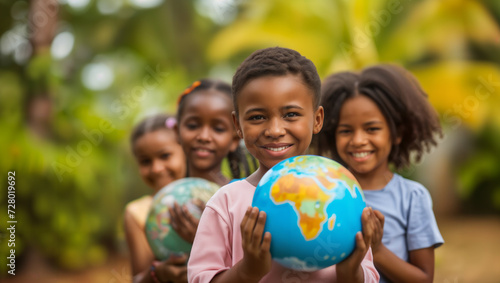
point(276, 118)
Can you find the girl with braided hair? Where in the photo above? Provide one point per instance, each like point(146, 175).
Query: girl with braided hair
point(207, 136)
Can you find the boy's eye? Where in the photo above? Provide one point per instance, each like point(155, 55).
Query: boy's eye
point(291, 114)
point(256, 117)
point(145, 162)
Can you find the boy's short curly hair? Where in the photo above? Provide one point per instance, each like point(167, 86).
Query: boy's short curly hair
point(399, 97)
point(276, 61)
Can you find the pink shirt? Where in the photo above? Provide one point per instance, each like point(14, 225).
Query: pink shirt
point(217, 245)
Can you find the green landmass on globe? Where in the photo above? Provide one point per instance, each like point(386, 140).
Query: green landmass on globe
point(163, 240)
point(309, 203)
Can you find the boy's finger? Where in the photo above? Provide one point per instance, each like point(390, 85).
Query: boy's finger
point(360, 249)
point(250, 224)
point(245, 218)
point(252, 219)
point(266, 243)
point(362, 245)
point(259, 229)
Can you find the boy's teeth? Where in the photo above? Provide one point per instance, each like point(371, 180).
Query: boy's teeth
point(277, 148)
point(360, 154)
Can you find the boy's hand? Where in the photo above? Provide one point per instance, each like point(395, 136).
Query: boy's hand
point(183, 222)
point(256, 261)
point(350, 269)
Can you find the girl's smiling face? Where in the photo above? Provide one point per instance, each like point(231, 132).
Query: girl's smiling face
point(276, 118)
point(206, 131)
point(160, 158)
point(363, 137)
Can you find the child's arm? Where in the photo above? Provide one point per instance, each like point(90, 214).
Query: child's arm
point(216, 243)
point(358, 267)
point(256, 261)
point(140, 254)
point(142, 257)
point(419, 269)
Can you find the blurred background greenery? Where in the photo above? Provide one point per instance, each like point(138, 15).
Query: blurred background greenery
point(76, 75)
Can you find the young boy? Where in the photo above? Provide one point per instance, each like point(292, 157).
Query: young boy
point(276, 98)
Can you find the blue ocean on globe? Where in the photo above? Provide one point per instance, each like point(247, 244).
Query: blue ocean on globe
point(313, 206)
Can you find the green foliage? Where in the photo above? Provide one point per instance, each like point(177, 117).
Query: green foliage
point(478, 174)
point(67, 203)
point(73, 182)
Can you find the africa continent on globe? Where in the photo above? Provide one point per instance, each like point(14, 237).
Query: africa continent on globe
point(163, 240)
point(313, 206)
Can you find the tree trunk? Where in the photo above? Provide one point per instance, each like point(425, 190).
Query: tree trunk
point(42, 28)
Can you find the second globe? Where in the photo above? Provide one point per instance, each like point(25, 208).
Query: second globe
point(163, 240)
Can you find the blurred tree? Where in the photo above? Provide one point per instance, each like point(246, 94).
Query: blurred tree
point(451, 46)
point(42, 28)
point(75, 76)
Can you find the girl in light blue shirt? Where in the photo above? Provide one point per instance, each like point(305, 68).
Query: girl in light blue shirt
point(376, 119)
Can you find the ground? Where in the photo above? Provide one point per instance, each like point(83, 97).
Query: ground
point(471, 253)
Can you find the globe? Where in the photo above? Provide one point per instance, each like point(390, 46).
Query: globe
point(313, 206)
point(162, 239)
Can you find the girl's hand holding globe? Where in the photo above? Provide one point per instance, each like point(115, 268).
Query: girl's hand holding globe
point(183, 222)
point(164, 240)
point(173, 268)
point(351, 266)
